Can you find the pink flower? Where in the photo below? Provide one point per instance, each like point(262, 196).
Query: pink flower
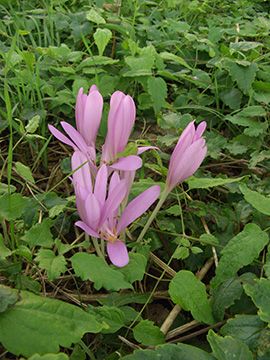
point(99, 208)
point(187, 155)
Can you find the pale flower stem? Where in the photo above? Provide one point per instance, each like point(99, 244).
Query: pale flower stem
point(102, 246)
point(97, 247)
point(153, 215)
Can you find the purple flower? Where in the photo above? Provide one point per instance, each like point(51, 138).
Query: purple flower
point(99, 208)
point(187, 155)
point(88, 112)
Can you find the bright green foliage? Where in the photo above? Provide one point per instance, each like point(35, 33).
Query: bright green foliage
point(243, 74)
point(171, 352)
point(40, 325)
point(158, 90)
point(59, 356)
point(135, 269)
point(148, 334)
point(40, 235)
point(90, 267)
point(8, 297)
point(111, 315)
point(13, 206)
point(241, 250)
point(247, 328)
point(260, 294)
point(257, 200)
point(205, 183)
point(190, 293)
point(228, 348)
point(102, 37)
point(24, 171)
point(55, 265)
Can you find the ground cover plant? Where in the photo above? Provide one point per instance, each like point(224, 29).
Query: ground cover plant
point(134, 217)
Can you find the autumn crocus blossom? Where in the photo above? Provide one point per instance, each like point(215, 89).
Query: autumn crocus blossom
point(187, 155)
point(99, 208)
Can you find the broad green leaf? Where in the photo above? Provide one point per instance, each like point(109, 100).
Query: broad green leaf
point(40, 235)
point(255, 110)
point(102, 37)
point(169, 56)
point(4, 251)
point(41, 325)
point(243, 75)
point(245, 45)
point(97, 60)
point(266, 266)
point(145, 62)
point(146, 333)
point(260, 294)
point(190, 293)
point(111, 315)
point(247, 328)
point(139, 186)
point(90, 267)
point(94, 16)
point(225, 295)
point(205, 183)
point(4, 188)
point(227, 348)
point(257, 200)
point(24, 171)
point(8, 297)
point(158, 90)
point(135, 269)
point(55, 265)
point(262, 97)
point(139, 72)
point(131, 149)
point(59, 356)
point(64, 248)
point(13, 206)
point(240, 251)
point(33, 124)
point(232, 98)
point(181, 253)
point(56, 210)
point(171, 352)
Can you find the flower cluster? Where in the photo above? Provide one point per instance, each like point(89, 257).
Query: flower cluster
point(102, 189)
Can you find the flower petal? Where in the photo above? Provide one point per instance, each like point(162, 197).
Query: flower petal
point(75, 136)
point(93, 211)
point(128, 163)
point(91, 117)
point(142, 149)
point(87, 229)
point(61, 137)
point(118, 253)
point(100, 190)
point(82, 175)
point(137, 207)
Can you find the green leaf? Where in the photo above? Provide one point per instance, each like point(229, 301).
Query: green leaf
point(146, 333)
point(131, 149)
point(13, 206)
point(251, 111)
point(262, 97)
point(4, 251)
point(243, 75)
point(181, 253)
point(240, 251)
point(135, 269)
point(257, 200)
point(33, 124)
point(260, 294)
point(24, 171)
point(169, 56)
point(94, 16)
point(111, 315)
point(4, 188)
point(64, 248)
point(40, 235)
point(142, 62)
point(171, 352)
point(205, 183)
point(8, 297)
point(59, 356)
point(232, 98)
point(90, 267)
point(158, 90)
point(227, 348)
point(102, 37)
point(190, 293)
point(55, 265)
point(247, 328)
point(225, 295)
point(41, 325)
